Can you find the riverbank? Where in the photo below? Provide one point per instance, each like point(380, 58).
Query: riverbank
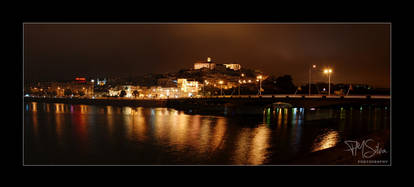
point(338, 155)
point(227, 106)
point(98, 101)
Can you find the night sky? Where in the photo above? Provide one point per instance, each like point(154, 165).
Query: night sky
point(358, 53)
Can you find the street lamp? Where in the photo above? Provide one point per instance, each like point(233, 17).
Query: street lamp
point(260, 77)
point(205, 84)
point(310, 73)
point(240, 82)
point(221, 87)
point(329, 72)
point(239, 85)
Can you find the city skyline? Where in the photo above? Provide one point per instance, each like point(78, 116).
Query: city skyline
point(357, 53)
point(214, 94)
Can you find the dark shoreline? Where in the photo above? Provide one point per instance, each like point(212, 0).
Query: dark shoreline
point(112, 102)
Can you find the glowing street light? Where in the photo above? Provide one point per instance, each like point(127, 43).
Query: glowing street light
point(205, 83)
point(241, 82)
point(329, 72)
point(260, 77)
point(310, 73)
point(221, 87)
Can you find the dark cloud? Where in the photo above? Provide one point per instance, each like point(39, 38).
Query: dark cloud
point(359, 53)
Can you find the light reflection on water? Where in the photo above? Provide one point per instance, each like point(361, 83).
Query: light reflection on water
point(326, 140)
point(137, 135)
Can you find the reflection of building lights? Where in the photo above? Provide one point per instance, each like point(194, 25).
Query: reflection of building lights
point(328, 140)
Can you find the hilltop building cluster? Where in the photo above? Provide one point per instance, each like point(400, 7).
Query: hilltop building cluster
point(209, 64)
point(206, 78)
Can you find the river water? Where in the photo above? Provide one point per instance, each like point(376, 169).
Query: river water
point(59, 134)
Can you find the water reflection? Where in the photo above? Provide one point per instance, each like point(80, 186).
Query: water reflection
point(162, 135)
point(326, 140)
point(139, 128)
point(33, 107)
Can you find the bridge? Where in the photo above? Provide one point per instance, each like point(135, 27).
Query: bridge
point(243, 104)
point(253, 104)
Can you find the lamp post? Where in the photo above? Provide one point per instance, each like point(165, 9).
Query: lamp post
point(329, 72)
point(310, 73)
point(240, 81)
point(221, 87)
point(205, 84)
point(239, 86)
point(260, 77)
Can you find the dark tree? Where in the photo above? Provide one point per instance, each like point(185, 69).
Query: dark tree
point(122, 94)
point(53, 93)
point(135, 93)
point(284, 84)
point(68, 92)
point(269, 85)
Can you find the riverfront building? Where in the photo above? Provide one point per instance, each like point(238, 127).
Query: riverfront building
point(78, 87)
point(184, 88)
point(188, 88)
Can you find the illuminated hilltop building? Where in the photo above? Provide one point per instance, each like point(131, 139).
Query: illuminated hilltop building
point(211, 65)
point(205, 64)
point(233, 66)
